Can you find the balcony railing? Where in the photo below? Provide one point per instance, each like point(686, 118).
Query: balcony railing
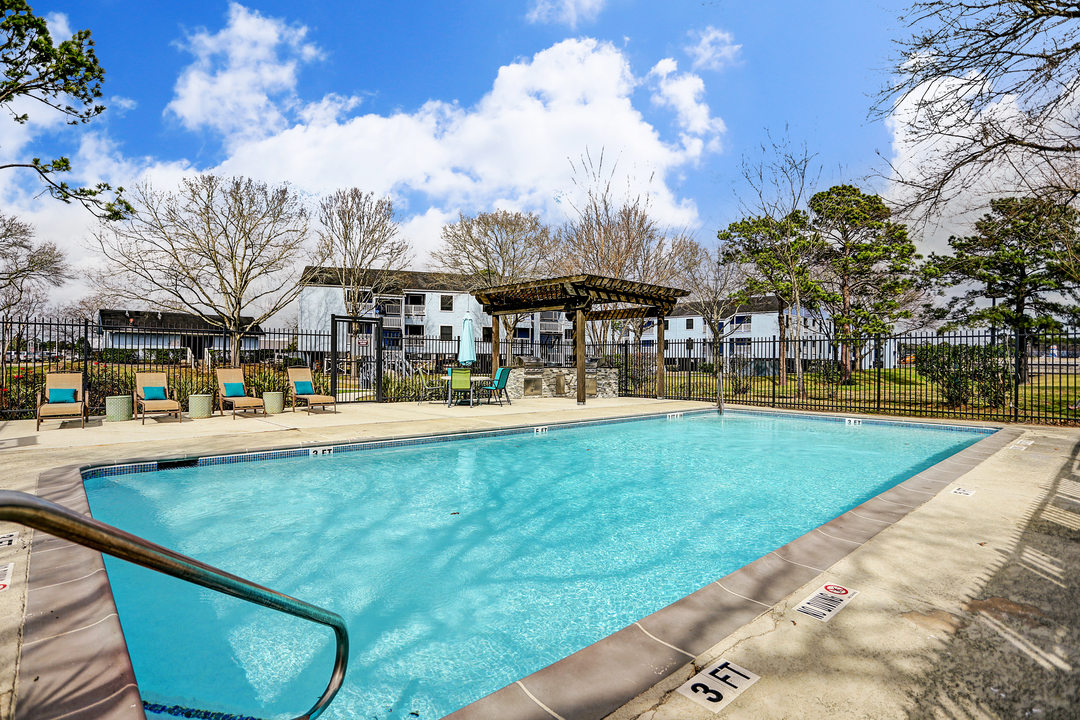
point(550, 327)
point(415, 311)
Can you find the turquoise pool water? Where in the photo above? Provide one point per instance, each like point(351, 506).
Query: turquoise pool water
point(463, 566)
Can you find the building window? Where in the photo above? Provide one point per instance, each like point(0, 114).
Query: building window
point(446, 332)
point(486, 334)
point(523, 334)
point(446, 303)
point(568, 333)
point(690, 344)
point(666, 325)
point(357, 295)
point(414, 329)
point(414, 299)
point(689, 323)
point(667, 345)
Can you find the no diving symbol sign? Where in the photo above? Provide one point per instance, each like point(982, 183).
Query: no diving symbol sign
point(826, 602)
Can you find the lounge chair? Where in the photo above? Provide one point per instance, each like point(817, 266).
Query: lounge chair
point(152, 394)
point(63, 397)
point(498, 387)
point(460, 382)
point(232, 390)
point(303, 388)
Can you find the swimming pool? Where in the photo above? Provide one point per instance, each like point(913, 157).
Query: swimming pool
point(463, 566)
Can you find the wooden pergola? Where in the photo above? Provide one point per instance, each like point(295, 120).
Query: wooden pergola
point(578, 296)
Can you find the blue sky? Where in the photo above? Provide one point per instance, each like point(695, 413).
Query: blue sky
point(465, 106)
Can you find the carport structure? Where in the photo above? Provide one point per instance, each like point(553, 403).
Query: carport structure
point(578, 296)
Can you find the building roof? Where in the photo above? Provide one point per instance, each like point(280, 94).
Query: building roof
point(766, 304)
point(400, 281)
point(163, 321)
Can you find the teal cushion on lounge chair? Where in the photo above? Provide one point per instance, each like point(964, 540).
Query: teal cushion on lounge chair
point(154, 393)
point(62, 395)
point(303, 387)
point(234, 390)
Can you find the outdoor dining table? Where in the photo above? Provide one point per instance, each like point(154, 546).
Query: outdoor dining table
point(472, 378)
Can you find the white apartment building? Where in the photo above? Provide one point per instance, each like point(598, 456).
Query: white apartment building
point(420, 304)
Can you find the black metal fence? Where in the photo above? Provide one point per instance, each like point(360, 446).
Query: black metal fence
point(984, 376)
point(981, 376)
point(108, 359)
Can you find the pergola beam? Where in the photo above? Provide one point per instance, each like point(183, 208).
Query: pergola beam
point(627, 313)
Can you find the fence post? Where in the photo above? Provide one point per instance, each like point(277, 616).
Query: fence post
point(1016, 377)
point(378, 359)
point(333, 355)
point(879, 361)
point(776, 372)
point(86, 346)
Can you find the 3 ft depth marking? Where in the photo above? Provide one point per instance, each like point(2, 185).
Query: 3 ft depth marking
point(715, 687)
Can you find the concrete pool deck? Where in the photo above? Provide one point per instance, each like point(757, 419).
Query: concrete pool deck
point(964, 594)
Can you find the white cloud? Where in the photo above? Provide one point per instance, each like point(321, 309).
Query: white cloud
point(511, 149)
point(715, 49)
point(119, 104)
point(568, 12)
point(243, 81)
point(683, 93)
point(59, 27)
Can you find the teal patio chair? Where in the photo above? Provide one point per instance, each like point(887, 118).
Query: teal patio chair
point(460, 382)
point(498, 386)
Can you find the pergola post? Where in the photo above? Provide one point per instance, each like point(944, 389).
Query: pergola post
point(579, 351)
point(496, 321)
point(659, 356)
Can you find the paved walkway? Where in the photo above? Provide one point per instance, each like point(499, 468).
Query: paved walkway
point(969, 607)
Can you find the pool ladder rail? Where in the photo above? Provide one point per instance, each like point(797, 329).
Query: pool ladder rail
point(57, 520)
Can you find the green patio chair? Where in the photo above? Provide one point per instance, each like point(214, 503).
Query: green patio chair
point(460, 382)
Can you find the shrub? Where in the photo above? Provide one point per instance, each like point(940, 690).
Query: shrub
point(193, 383)
point(21, 390)
point(103, 382)
point(739, 376)
point(170, 356)
point(964, 372)
point(118, 356)
point(263, 379)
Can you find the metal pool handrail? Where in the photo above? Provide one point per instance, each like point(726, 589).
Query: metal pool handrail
point(62, 522)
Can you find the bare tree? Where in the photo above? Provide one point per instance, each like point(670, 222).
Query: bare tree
point(226, 249)
point(27, 269)
point(715, 287)
point(361, 240)
point(620, 239)
point(986, 91)
point(775, 240)
point(84, 307)
point(495, 248)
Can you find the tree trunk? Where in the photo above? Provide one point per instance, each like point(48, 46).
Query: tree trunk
point(845, 337)
point(781, 371)
point(234, 348)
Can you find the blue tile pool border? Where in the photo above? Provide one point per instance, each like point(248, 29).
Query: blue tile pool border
point(92, 472)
